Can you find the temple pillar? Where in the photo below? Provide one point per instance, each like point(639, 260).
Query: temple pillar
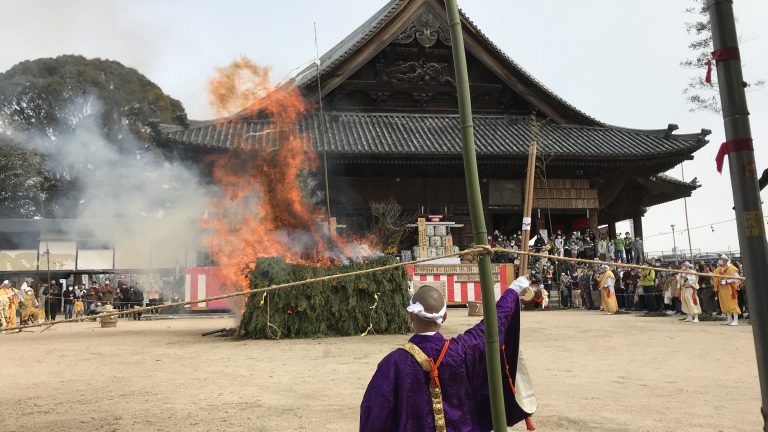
point(612, 230)
point(593, 222)
point(637, 222)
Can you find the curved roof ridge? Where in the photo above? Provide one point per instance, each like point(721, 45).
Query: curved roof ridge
point(665, 133)
point(526, 74)
point(349, 45)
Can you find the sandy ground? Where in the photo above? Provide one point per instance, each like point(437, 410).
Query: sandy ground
point(591, 372)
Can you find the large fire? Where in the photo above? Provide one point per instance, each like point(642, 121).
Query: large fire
point(262, 211)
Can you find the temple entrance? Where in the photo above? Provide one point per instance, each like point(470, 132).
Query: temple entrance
point(507, 224)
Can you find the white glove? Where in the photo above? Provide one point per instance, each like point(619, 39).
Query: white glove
point(520, 284)
point(722, 282)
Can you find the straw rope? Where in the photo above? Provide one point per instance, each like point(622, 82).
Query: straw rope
point(474, 251)
point(615, 264)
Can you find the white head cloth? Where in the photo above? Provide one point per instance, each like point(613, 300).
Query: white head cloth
point(418, 309)
point(520, 284)
point(6, 282)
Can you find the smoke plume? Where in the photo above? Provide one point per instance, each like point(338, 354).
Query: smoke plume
point(130, 197)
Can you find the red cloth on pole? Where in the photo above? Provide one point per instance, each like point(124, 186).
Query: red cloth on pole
point(729, 147)
point(722, 54)
point(726, 53)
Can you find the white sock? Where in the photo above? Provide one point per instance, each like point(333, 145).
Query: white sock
point(695, 318)
point(735, 321)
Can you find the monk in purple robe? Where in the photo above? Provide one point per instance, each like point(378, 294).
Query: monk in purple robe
point(405, 387)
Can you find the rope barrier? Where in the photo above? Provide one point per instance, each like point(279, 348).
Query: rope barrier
point(471, 251)
point(474, 251)
point(615, 264)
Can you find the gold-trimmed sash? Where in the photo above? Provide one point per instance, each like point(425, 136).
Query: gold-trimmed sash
point(429, 366)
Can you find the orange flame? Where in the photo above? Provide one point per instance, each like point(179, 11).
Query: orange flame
point(262, 210)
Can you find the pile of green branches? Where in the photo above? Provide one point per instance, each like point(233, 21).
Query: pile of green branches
point(341, 307)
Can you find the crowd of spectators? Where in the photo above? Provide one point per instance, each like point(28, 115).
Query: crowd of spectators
point(655, 293)
point(38, 301)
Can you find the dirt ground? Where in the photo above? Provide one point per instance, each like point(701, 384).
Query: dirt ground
point(590, 371)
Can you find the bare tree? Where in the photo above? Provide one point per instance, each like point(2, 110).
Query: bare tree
point(390, 224)
point(701, 95)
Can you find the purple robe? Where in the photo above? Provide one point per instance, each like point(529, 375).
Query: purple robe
point(397, 398)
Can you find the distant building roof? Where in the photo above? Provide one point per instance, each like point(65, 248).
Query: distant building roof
point(438, 134)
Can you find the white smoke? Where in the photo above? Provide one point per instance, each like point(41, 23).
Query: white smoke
point(132, 198)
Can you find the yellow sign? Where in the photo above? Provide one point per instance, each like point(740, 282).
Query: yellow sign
point(753, 223)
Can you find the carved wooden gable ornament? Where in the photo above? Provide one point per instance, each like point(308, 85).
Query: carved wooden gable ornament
point(426, 29)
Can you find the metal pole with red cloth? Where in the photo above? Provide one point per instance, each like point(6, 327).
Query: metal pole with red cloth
point(741, 163)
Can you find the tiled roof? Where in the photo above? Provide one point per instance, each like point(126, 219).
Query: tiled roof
point(693, 184)
point(350, 44)
point(370, 28)
point(438, 134)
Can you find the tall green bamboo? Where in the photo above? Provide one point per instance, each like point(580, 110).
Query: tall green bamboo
point(492, 353)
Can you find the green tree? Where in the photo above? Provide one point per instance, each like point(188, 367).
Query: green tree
point(48, 98)
point(701, 95)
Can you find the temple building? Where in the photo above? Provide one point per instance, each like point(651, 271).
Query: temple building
point(389, 127)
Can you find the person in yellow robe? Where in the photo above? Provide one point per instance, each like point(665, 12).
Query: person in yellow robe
point(689, 293)
point(30, 307)
point(3, 308)
point(606, 283)
point(727, 289)
point(9, 293)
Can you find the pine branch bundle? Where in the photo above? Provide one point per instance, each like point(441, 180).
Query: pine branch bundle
point(341, 307)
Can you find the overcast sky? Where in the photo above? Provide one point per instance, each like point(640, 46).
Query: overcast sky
point(618, 61)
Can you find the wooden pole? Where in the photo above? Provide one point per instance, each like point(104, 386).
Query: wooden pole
point(687, 225)
point(528, 206)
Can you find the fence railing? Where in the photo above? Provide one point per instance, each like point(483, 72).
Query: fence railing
point(697, 255)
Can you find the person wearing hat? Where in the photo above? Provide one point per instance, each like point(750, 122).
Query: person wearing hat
point(606, 283)
point(13, 301)
point(6, 296)
point(30, 307)
point(727, 289)
point(689, 296)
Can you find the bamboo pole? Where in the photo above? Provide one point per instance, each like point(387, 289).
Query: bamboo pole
point(492, 351)
point(528, 205)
